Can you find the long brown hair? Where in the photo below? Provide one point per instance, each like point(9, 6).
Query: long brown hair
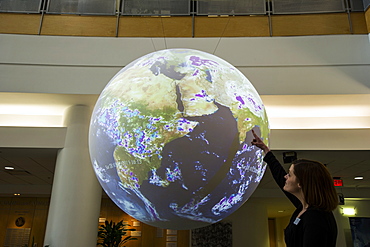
point(316, 183)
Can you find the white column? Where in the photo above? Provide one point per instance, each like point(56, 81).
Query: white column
point(343, 227)
point(76, 194)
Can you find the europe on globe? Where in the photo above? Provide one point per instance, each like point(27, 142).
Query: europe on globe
point(170, 139)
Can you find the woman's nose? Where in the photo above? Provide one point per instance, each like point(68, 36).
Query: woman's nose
point(286, 176)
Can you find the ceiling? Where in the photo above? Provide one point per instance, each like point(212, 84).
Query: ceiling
point(35, 167)
point(343, 164)
point(31, 166)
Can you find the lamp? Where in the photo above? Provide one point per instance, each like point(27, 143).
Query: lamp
point(349, 211)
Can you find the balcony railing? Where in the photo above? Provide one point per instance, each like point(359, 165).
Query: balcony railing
point(181, 7)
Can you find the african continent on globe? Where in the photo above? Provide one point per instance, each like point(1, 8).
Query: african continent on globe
point(170, 139)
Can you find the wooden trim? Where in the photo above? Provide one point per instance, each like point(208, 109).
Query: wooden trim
point(5, 207)
point(73, 25)
point(367, 19)
point(310, 24)
point(19, 23)
point(181, 26)
point(232, 26)
point(155, 26)
point(40, 217)
point(272, 232)
point(177, 26)
point(358, 23)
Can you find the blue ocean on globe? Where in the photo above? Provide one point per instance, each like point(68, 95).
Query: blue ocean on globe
point(170, 139)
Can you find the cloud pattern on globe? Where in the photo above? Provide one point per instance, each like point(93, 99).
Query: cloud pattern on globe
point(170, 139)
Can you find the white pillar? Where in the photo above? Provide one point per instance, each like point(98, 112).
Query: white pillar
point(344, 229)
point(250, 225)
point(76, 194)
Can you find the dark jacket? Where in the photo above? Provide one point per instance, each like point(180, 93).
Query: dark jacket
point(315, 227)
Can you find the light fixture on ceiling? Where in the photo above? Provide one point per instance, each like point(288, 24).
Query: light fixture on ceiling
point(349, 211)
point(17, 194)
point(9, 168)
point(359, 177)
point(31, 115)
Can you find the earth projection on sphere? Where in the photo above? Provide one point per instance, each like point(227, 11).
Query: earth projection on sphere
point(170, 139)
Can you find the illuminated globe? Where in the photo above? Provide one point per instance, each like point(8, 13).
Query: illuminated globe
point(170, 139)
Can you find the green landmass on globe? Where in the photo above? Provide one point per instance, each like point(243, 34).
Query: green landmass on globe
point(161, 98)
point(151, 112)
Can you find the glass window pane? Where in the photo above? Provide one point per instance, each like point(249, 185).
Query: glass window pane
point(357, 5)
point(307, 6)
point(28, 6)
point(106, 7)
point(156, 7)
point(366, 4)
point(231, 7)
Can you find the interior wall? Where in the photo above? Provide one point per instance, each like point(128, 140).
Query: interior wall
point(281, 224)
point(332, 64)
point(150, 235)
point(250, 223)
point(35, 211)
point(344, 229)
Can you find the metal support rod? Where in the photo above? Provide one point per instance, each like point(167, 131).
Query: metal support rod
point(43, 9)
point(193, 19)
point(348, 8)
point(117, 24)
point(118, 13)
point(269, 10)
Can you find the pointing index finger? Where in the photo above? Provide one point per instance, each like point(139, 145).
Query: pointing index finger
point(254, 134)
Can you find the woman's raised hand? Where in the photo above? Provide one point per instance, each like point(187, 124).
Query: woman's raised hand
point(257, 141)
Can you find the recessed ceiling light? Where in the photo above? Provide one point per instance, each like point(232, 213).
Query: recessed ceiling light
point(17, 194)
point(359, 177)
point(9, 168)
point(349, 211)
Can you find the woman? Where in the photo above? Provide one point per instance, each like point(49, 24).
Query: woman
point(309, 186)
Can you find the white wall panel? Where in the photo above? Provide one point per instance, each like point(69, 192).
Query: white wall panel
point(309, 80)
point(293, 51)
point(324, 139)
point(259, 51)
point(60, 50)
point(32, 137)
point(55, 79)
point(267, 80)
point(337, 64)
